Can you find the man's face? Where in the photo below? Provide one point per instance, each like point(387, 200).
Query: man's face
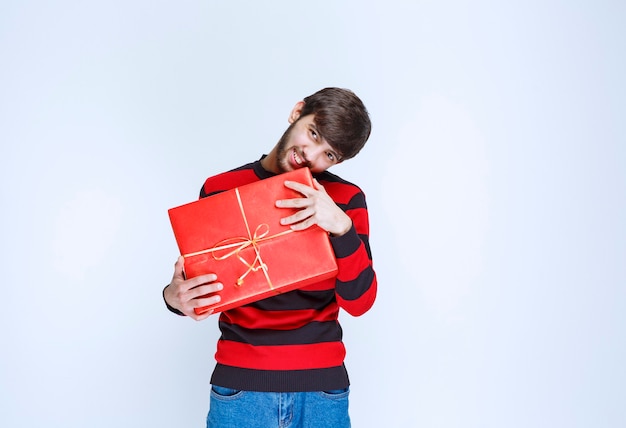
point(302, 145)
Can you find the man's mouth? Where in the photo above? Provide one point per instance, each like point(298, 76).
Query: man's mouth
point(297, 160)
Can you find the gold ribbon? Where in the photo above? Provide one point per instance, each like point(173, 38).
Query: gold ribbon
point(238, 243)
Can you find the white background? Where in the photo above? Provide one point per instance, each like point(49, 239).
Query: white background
point(495, 177)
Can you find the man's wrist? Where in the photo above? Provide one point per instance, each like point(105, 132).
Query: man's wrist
point(170, 307)
point(343, 231)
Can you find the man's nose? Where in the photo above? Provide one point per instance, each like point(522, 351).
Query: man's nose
point(312, 154)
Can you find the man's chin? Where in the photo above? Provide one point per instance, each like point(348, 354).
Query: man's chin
point(293, 168)
point(286, 166)
point(283, 167)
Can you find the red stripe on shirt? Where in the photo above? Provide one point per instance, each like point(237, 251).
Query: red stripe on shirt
point(253, 318)
point(290, 357)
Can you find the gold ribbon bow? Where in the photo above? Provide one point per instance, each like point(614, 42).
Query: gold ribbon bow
point(238, 243)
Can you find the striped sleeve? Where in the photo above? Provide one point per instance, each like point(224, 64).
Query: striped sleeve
point(228, 180)
point(356, 283)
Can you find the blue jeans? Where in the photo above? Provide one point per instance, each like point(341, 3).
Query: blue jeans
point(230, 408)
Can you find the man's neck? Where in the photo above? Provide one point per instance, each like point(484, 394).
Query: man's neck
point(269, 162)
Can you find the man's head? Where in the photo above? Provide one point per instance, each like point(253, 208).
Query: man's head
point(341, 119)
point(328, 127)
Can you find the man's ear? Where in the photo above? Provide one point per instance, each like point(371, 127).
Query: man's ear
point(295, 113)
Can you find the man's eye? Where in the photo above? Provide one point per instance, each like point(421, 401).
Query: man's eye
point(314, 134)
point(331, 157)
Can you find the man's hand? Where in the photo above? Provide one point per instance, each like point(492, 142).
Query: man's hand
point(315, 208)
point(184, 294)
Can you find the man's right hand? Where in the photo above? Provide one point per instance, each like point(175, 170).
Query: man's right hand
point(185, 294)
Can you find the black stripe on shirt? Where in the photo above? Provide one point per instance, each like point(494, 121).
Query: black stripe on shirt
point(348, 291)
point(296, 300)
point(313, 332)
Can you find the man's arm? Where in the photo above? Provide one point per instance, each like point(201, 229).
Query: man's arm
point(356, 283)
point(349, 234)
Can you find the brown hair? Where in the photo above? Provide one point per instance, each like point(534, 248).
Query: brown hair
point(341, 118)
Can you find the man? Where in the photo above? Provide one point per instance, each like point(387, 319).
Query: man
point(280, 361)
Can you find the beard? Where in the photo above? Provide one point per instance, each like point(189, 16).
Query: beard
point(282, 164)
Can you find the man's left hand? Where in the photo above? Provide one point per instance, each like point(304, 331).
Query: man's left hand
point(315, 208)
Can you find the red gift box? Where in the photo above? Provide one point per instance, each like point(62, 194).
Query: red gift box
point(237, 235)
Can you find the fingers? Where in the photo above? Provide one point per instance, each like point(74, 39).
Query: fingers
point(201, 280)
point(189, 294)
point(319, 209)
point(316, 207)
point(309, 192)
point(201, 297)
point(311, 195)
point(294, 203)
point(306, 190)
point(207, 301)
point(299, 187)
point(304, 217)
point(305, 224)
point(203, 290)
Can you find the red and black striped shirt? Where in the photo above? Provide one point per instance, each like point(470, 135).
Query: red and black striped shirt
point(293, 341)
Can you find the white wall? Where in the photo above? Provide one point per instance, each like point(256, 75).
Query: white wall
point(495, 177)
